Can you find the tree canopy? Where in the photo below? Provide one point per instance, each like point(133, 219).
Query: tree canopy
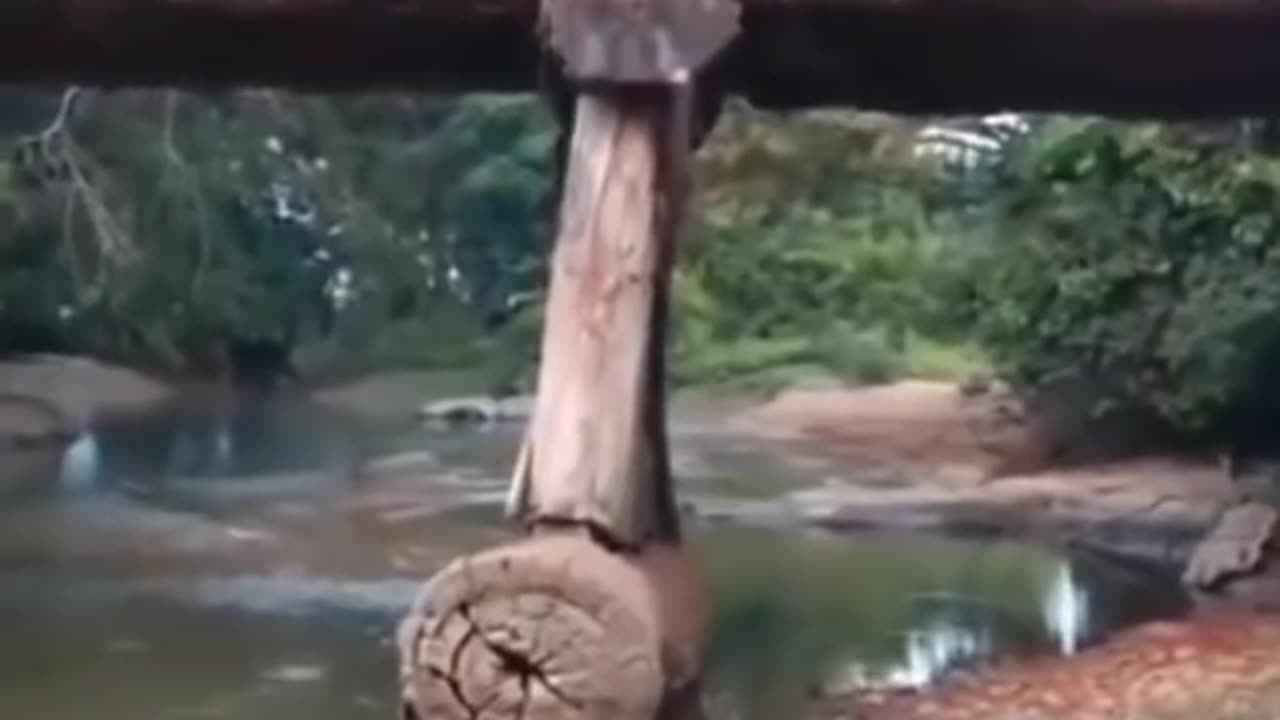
point(167, 228)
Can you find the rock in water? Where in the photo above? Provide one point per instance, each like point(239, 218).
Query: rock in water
point(1236, 545)
point(476, 410)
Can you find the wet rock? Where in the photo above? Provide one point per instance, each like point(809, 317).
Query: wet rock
point(1235, 566)
point(1236, 545)
point(477, 410)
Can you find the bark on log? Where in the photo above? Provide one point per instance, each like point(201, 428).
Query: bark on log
point(561, 626)
point(553, 628)
point(1167, 57)
point(596, 453)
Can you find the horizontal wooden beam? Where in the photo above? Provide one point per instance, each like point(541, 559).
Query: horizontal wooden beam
point(1148, 57)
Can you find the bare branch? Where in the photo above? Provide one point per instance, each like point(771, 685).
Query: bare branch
point(187, 180)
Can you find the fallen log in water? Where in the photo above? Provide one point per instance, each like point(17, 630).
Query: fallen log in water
point(1221, 668)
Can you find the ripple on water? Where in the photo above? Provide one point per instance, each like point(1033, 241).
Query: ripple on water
point(294, 595)
point(295, 673)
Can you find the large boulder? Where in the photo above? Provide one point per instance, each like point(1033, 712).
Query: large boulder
point(1234, 567)
point(27, 420)
point(50, 398)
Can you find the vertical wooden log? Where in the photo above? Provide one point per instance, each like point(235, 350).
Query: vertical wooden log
point(605, 624)
point(608, 624)
point(597, 454)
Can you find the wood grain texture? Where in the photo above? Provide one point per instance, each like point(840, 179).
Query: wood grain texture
point(556, 628)
point(549, 629)
point(597, 451)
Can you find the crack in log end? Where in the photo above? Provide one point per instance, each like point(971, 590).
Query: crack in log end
point(516, 663)
point(519, 663)
point(547, 628)
point(455, 689)
point(482, 669)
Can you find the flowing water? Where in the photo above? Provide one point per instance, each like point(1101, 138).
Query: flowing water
point(206, 562)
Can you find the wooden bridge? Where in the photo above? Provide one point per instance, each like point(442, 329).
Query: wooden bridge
point(1185, 57)
point(598, 614)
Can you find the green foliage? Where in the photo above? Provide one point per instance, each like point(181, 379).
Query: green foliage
point(243, 212)
point(819, 242)
point(930, 359)
point(1145, 261)
point(386, 230)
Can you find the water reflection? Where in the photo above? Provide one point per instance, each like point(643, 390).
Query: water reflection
point(872, 613)
point(306, 632)
point(80, 466)
point(1066, 610)
point(949, 640)
point(937, 648)
point(791, 610)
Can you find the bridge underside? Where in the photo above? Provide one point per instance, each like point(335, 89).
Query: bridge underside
point(1125, 57)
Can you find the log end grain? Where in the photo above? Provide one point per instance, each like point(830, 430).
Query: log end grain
point(552, 627)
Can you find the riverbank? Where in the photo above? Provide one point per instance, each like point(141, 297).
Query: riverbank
point(913, 455)
point(48, 398)
point(950, 458)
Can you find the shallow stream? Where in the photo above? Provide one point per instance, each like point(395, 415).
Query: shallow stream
point(231, 562)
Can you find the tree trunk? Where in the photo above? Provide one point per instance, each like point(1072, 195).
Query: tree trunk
point(596, 454)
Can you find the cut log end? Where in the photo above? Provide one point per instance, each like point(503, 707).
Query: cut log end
point(553, 628)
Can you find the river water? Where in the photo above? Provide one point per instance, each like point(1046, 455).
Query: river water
point(235, 562)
